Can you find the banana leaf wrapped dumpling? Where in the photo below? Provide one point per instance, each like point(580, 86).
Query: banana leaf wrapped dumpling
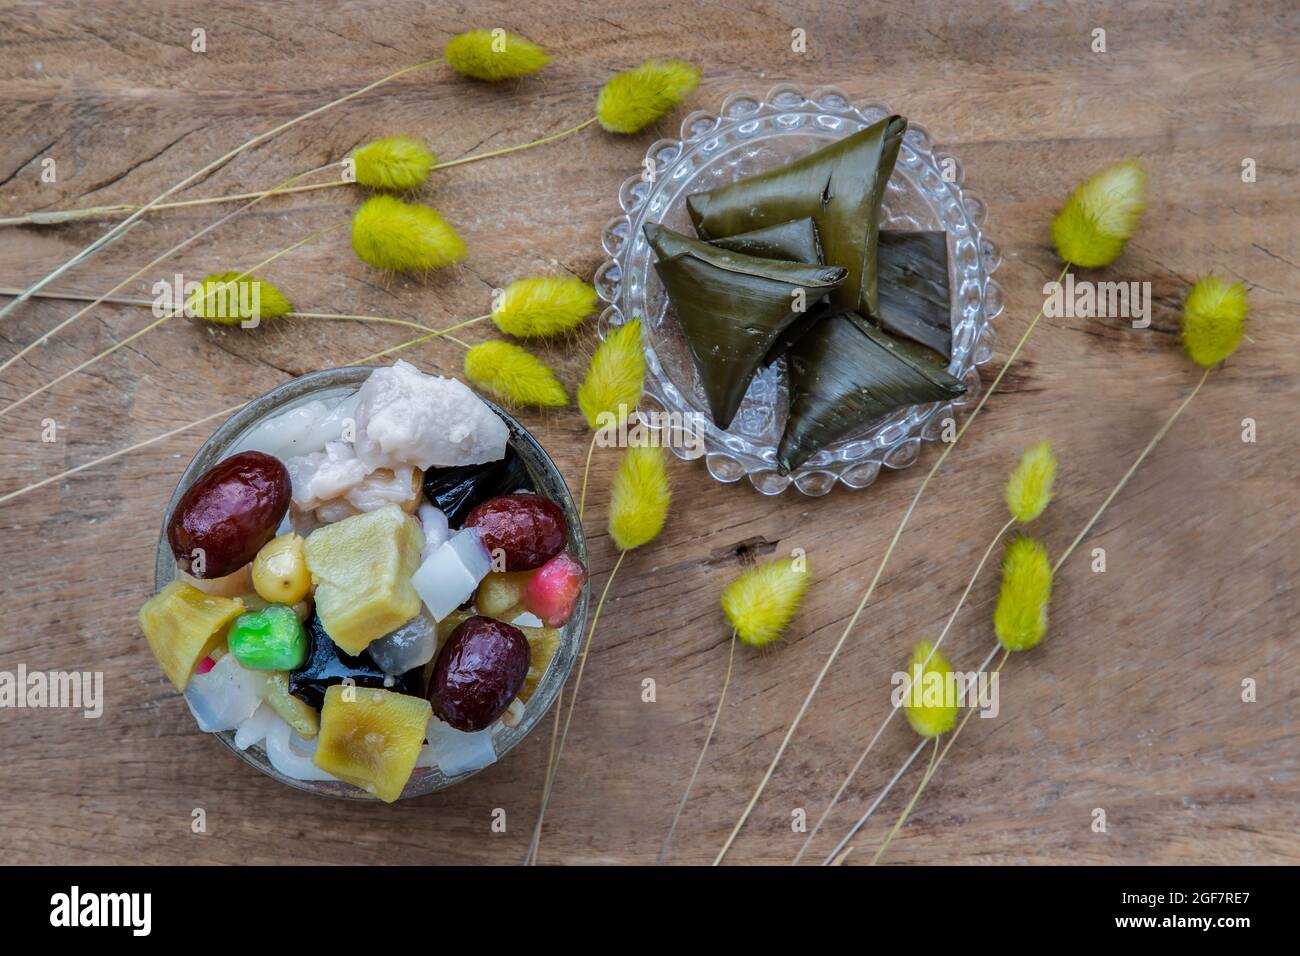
point(844, 374)
point(839, 186)
point(915, 301)
point(732, 307)
point(795, 241)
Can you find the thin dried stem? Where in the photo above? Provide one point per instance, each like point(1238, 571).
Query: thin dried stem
point(42, 339)
point(58, 217)
point(531, 858)
point(513, 149)
point(433, 334)
point(215, 164)
point(907, 684)
point(907, 515)
point(159, 321)
point(1155, 440)
point(838, 854)
point(295, 314)
point(910, 803)
point(726, 682)
point(586, 472)
point(105, 212)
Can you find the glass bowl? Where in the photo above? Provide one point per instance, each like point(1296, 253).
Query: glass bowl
point(336, 383)
point(751, 135)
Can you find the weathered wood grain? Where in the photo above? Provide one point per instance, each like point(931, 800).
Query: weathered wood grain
point(1132, 705)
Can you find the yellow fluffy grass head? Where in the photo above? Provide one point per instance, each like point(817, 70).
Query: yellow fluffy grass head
point(633, 100)
point(1100, 215)
point(639, 499)
point(513, 375)
point(1020, 618)
point(543, 306)
point(404, 237)
point(930, 708)
point(1029, 489)
point(614, 381)
point(1214, 320)
point(395, 164)
point(225, 299)
point(494, 55)
point(761, 603)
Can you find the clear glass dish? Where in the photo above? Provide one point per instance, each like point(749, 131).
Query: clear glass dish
point(751, 135)
point(336, 383)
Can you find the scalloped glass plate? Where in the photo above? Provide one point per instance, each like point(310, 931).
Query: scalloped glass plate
point(751, 135)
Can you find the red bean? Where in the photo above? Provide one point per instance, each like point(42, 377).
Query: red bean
point(479, 671)
point(225, 517)
point(528, 530)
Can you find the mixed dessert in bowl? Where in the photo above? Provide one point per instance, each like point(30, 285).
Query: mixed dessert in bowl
point(370, 582)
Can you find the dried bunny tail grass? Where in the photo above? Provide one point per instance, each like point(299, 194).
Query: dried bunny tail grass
point(1029, 488)
point(633, 100)
point(394, 164)
point(639, 497)
point(929, 670)
point(614, 381)
point(514, 375)
point(199, 174)
point(227, 298)
point(1214, 320)
point(404, 237)
point(494, 55)
point(1020, 618)
point(761, 603)
point(544, 306)
point(1100, 215)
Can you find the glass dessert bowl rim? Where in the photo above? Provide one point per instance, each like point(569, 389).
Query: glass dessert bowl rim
point(826, 112)
point(552, 485)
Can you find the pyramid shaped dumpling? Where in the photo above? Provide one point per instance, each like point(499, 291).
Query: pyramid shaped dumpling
point(732, 307)
point(844, 374)
point(839, 186)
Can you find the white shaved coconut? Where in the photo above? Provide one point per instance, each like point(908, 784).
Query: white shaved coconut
point(291, 755)
point(301, 430)
point(225, 696)
point(255, 728)
point(436, 529)
point(410, 646)
point(324, 475)
point(405, 417)
point(454, 751)
point(450, 574)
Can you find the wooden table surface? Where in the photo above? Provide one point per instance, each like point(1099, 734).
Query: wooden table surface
point(1133, 705)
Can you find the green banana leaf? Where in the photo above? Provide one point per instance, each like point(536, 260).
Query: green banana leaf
point(731, 308)
point(845, 374)
point(795, 241)
point(839, 187)
point(915, 300)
